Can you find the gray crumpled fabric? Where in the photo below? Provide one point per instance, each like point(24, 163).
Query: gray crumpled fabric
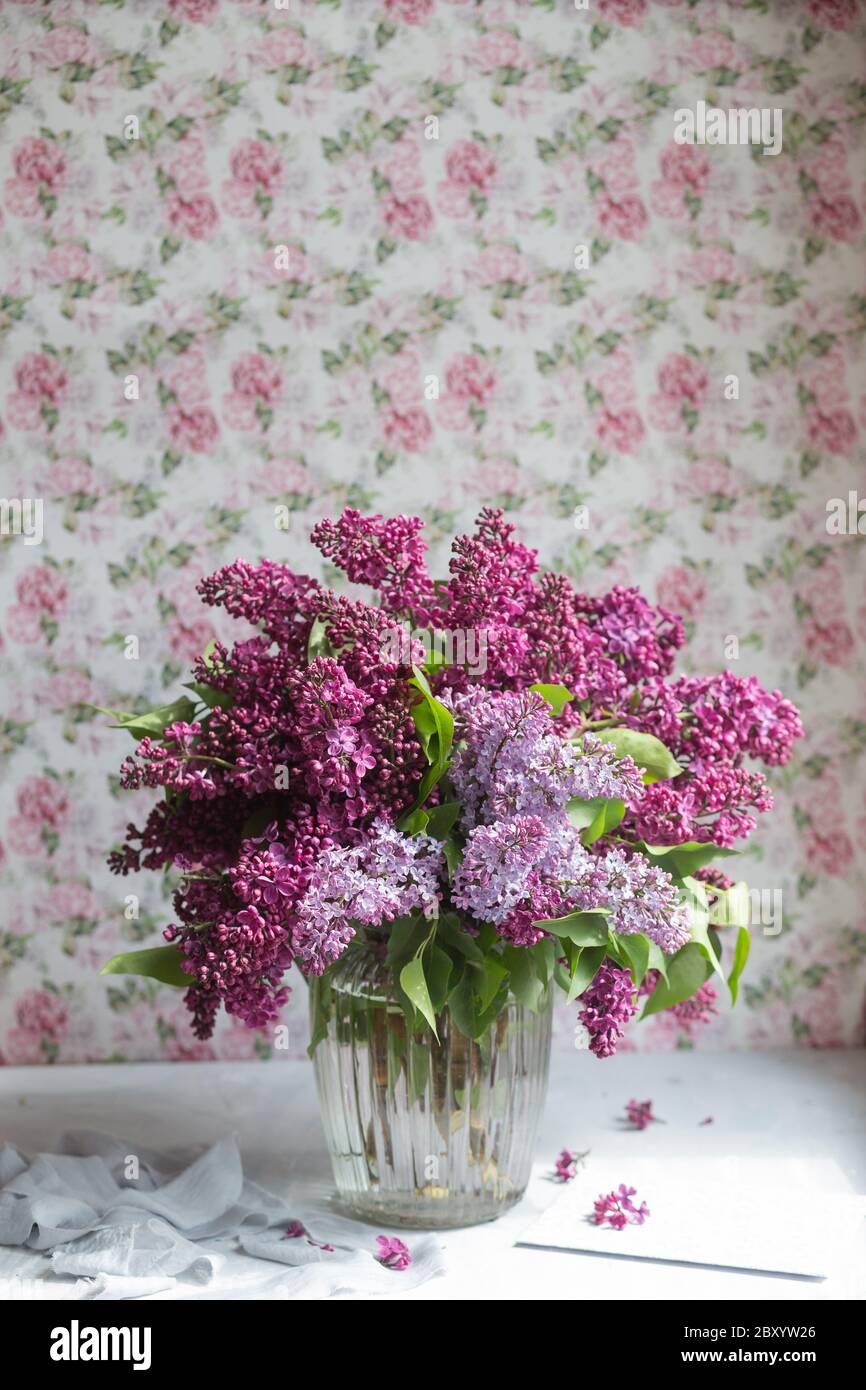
point(121, 1238)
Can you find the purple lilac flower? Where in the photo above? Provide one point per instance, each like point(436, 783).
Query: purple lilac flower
point(387, 875)
point(266, 874)
point(522, 865)
point(644, 639)
point(386, 553)
point(699, 1009)
point(604, 1009)
point(295, 1230)
point(567, 1165)
point(730, 717)
point(512, 760)
point(639, 1114)
point(393, 1254)
point(499, 868)
point(239, 962)
point(616, 1209)
point(690, 1013)
point(603, 773)
point(323, 749)
point(515, 778)
point(713, 807)
point(644, 898)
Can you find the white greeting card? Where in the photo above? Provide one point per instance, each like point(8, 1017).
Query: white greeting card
point(774, 1216)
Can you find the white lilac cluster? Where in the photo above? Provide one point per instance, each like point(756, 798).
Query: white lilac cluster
point(387, 875)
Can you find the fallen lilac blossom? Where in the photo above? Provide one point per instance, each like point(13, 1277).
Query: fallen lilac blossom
point(639, 1114)
point(568, 1165)
point(295, 1230)
point(393, 1254)
point(616, 1209)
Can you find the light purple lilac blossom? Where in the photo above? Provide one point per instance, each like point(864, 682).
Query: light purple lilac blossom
point(523, 859)
point(512, 760)
point(387, 875)
point(523, 865)
point(644, 898)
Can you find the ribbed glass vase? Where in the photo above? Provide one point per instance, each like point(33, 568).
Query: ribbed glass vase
point(424, 1134)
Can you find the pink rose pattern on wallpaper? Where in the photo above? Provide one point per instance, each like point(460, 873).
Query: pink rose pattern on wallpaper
point(307, 386)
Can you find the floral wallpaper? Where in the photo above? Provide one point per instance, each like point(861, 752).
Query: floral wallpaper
point(261, 261)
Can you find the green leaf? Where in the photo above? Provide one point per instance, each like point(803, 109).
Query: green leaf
point(414, 985)
point(657, 960)
point(453, 935)
point(210, 696)
point(647, 751)
point(441, 818)
point(405, 939)
point(557, 696)
point(207, 654)
point(687, 971)
point(154, 722)
point(318, 642)
point(453, 857)
point(472, 1020)
point(545, 952)
point(583, 813)
point(159, 963)
point(415, 823)
point(636, 950)
point(489, 1015)
point(595, 818)
point(731, 907)
point(524, 981)
point(583, 928)
point(435, 661)
point(418, 1060)
point(584, 969)
point(435, 726)
point(741, 955)
point(257, 822)
point(695, 895)
point(488, 981)
point(320, 1010)
point(462, 1007)
point(438, 970)
point(426, 729)
point(685, 859)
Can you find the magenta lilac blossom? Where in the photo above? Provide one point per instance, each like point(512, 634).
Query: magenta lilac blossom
point(393, 1254)
point(639, 1114)
point(567, 1165)
point(617, 1210)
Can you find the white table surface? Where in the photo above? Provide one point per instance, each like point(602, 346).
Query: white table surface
point(796, 1105)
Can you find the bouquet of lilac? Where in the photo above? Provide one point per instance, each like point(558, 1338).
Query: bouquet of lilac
point(492, 778)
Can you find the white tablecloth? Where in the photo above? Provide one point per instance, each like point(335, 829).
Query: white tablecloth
point(794, 1105)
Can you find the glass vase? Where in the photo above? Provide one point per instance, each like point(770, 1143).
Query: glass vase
point(422, 1133)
